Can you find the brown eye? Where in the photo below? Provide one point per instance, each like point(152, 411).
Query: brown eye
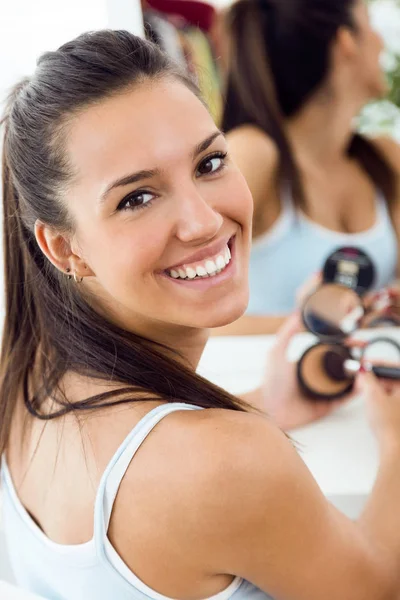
point(136, 200)
point(211, 164)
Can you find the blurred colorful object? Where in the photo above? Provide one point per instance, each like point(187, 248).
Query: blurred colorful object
point(383, 117)
point(196, 12)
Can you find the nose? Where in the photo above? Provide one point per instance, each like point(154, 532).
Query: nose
point(197, 221)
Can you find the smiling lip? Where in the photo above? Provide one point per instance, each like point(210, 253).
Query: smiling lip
point(207, 252)
point(205, 283)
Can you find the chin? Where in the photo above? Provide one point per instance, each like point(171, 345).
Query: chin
point(379, 89)
point(227, 314)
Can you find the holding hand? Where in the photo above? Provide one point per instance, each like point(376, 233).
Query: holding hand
point(280, 395)
point(383, 404)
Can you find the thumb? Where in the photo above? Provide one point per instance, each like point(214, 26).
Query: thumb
point(368, 384)
point(290, 327)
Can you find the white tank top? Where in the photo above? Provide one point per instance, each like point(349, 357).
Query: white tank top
point(295, 248)
point(93, 570)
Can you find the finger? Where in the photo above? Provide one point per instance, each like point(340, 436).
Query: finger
point(393, 291)
point(290, 327)
point(368, 383)
point(388, 387)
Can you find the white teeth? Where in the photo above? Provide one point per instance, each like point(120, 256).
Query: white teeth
point(207, 269)
point(201, 272)
point(220, 262)
point(211, 267)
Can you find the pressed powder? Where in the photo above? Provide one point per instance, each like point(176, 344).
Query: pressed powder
point(314, 378)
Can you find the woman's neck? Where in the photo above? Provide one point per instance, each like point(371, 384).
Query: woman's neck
point(189, 345)
point(320, 133)
point(185, 344)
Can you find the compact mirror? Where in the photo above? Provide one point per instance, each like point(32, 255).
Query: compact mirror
point(382, 349)
point(332, 312)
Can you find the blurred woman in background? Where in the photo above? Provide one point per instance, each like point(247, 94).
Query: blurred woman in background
point(299, 73)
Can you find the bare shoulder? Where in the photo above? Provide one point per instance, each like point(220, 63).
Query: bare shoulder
point(227, 493)
point(260, 514)
point(257, 157)
point(389, 149)
point(212, 453)
point(248, 138)
point(221, 454)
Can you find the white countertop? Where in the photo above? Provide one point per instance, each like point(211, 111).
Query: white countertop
point(340, 449)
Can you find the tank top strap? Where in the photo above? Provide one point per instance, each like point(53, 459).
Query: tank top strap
point(119, 464)
point(382, 207)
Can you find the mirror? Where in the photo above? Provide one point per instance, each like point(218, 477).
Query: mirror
point(382, 350)
point(332, 312)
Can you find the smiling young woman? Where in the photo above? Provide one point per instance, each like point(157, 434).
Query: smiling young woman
point(124, 474)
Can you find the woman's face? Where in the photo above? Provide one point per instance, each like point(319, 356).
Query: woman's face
point(162, 216)
point(370, 46)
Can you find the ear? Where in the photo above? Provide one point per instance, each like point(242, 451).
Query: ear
point(345, 44)
point(57, 247)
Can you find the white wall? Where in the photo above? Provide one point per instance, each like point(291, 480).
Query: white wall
point(29, 27)
point(125, 14)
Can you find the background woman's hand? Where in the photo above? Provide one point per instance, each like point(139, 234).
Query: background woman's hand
point(383, 405)
point(281, 396)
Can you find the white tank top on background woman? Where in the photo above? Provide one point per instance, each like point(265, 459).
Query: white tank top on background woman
point(295, 247)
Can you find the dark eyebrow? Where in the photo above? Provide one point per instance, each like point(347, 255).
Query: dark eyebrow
point(206, 143)
point(148, 174)
point(129, 179)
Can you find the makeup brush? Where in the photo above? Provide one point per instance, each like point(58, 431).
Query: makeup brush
point(340, 368)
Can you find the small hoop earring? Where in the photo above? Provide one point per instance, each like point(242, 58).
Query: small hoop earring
point(77, 279)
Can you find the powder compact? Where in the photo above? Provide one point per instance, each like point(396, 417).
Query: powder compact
point(335, 310)
point(350, 267)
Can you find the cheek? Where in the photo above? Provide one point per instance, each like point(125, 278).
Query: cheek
point(237, 199)
point(375, 48)
point(124, 252)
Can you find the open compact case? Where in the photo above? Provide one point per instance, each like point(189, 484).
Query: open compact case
point(352, 268)
point(327, 370)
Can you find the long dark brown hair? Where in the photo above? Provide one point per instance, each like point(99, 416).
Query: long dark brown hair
point(279, 57)
point(50, 328)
